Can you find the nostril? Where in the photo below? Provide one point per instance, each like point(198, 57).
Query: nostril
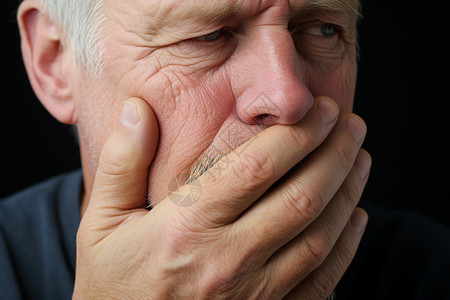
point(266, 119)
point(262, 117)
point(281, 104)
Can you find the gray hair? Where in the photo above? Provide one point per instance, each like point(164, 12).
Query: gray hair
point(80, 23)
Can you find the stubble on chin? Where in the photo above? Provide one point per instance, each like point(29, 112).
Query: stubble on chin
point(231, 138)
point(201, 166)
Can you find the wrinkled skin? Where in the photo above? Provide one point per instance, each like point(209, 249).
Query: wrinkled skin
point(200, 89)
point(277, 217)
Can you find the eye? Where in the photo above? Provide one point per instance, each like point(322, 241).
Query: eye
point(323, 30)
point(210, 37)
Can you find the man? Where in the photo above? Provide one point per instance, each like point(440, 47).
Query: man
point(217, 116)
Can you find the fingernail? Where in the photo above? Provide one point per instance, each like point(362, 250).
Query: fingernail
point(357, 128)
point(130, 114)
point(328, 111)
point(358, 220)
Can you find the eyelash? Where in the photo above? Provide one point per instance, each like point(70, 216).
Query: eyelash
point(215, 36)
point(218, 42)
point(309, 29)
point(317, 32)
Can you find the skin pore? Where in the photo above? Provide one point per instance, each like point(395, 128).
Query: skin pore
point(203, 65)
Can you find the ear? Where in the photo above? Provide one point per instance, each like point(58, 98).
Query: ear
point(47, 62)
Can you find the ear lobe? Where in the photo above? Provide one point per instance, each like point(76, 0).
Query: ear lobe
point(46, 60)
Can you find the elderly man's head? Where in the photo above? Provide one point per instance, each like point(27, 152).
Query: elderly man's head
point(214, 72)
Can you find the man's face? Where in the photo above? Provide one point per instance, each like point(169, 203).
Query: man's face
point(215, 73)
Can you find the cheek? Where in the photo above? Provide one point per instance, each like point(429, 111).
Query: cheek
point(191, 109)
point(338, 84)
point(188, 105)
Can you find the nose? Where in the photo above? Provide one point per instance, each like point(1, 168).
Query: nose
point(272, 87)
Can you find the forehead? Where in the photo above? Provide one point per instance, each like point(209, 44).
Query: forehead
point(222, 11)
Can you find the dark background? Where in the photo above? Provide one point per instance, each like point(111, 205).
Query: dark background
point(402, 93)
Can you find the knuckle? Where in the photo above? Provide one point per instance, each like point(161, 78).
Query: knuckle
point(316, 248)
point(254, 168)
point(117, 161)
point(223, 281)
point(323, 283)
point(304, 139)
point(351, 193)
point(233, 276)
point(110, 166)
point(344, 155)
point(181, 233)
point(307, 202)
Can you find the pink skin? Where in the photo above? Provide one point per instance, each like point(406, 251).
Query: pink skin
point(199, 91)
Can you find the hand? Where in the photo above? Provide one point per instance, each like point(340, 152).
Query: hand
point(248, 236)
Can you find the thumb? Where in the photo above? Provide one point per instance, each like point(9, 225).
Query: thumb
point(122, 174)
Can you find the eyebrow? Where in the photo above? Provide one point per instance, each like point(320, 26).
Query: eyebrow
point(348, 7)
point(216, 12)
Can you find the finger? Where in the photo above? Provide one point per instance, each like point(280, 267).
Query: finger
point(122, 173)
point(320, 283)
point(246, 173)
point(291, 206)
point(308, 250)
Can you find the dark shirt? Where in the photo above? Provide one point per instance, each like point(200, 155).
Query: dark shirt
point(37, 240)
point(401, 256)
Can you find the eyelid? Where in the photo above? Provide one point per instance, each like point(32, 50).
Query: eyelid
point(305, 27)
point(315, 29)
point(204, 38)
point(224, 32)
